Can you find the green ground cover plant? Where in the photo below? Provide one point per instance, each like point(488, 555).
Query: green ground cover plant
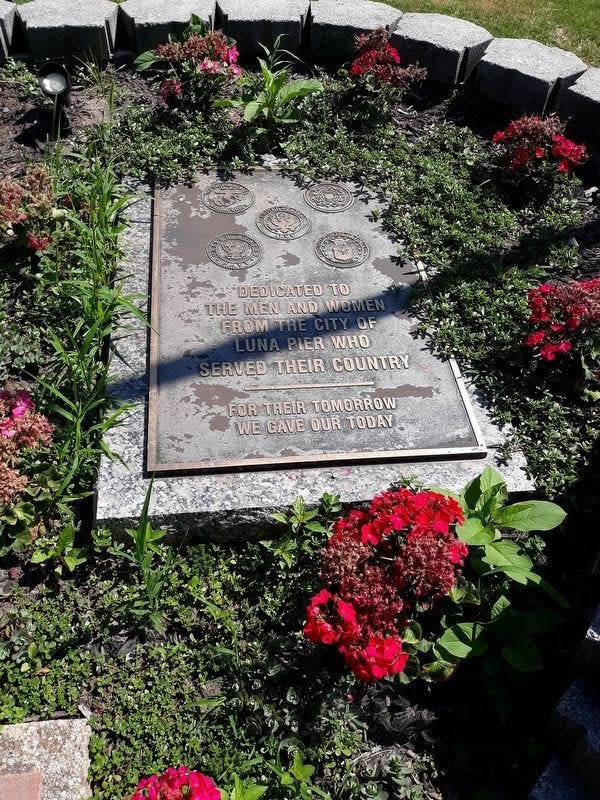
point(189, 653)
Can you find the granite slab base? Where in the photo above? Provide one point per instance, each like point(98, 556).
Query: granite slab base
point(237, 505)
point(53, 754)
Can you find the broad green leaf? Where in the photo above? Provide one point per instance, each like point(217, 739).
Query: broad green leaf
point(474, 532)
point(489, 478)
point(532, 515)
point(526, 576)
point(512, 622)
point(465, 640)
point(298, 88)
point(251, 111)
point(501, 605)
point(145, 60)
point(521, 653)
point(439, 670)
point(412, 634)
point(504, 553)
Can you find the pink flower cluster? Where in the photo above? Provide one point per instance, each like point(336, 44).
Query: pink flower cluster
point(210, 55)
point(532, 140)
point(380, 566)
point(562, 312)
point(177, 783)
point(20, 427)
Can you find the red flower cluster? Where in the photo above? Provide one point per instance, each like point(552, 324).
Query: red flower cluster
point(171, 89)
point(37, 243)
point(20, 427)
point(177, 783)
point(569, 154)
point(377, 57)
point(560, 311)
point(378, 566)
point(532, 140)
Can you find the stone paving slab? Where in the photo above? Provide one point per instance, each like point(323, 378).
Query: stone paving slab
point(449, 48)
point(148, 23)
point(57, 749)
point(581, 106)
point(527, 76)
point(58, 28)
point(7, 21)
point(335, 23)
point(224, 505)
point(262, 22)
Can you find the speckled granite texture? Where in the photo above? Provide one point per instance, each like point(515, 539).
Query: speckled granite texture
point(58, 749)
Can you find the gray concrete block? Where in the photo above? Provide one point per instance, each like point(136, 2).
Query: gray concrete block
point(527, 76)
point(581, 105)
point(7, 21)
point(449, 48)
point(576, 720)
point(558, 782)
point(588, 657)
point(57, 28)
point(148, 23)
point(263, 21)
point(585, 761)
point(58, 749)
point(335, 23)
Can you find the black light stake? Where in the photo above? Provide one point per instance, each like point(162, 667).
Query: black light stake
point(55, 82)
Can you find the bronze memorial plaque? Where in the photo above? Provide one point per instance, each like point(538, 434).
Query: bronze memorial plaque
point(281, 334)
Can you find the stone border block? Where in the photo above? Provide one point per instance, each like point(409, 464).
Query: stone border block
point(558, 782)
point(262, 21)
point(449, 48)
point(62, 28)
point(581, 103)
point(58, 749)
point(148, 23)
point(588, 657)
point(527, 76)
point(576, 718)
point(7, 22)
point(335, 23)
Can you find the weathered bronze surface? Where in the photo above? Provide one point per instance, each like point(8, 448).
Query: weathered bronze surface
point(342, 250)
point(280, 334)
point(282, 222)
point(328, 197)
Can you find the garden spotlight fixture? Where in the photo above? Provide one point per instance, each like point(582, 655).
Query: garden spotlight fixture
point(55, 82)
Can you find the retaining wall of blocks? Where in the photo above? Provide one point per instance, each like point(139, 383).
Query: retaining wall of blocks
point(522, 74)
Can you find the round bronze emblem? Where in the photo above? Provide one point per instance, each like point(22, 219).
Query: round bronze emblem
point(344, 250)
point(234, 251)
point(282, 222)
point(227, 197)
point(328, 197)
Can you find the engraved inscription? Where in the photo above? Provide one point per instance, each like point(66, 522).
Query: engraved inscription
point(228, 198)
point(328, 197)
point(234, 251)
point(282, 222)
point(344, 250)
